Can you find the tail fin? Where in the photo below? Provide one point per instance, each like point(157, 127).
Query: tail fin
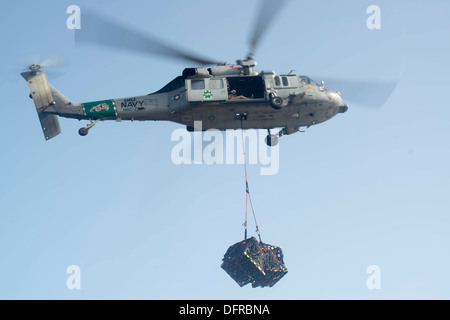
point(43, 95)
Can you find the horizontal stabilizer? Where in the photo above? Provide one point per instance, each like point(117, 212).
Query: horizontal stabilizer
point(50, 125)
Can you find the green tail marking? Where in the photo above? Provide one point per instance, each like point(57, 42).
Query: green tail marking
point(100, 109)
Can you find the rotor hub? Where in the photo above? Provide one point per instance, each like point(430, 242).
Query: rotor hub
point(35, 67)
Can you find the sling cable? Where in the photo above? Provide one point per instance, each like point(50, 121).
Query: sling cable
point(248, 197)
point(250, 261)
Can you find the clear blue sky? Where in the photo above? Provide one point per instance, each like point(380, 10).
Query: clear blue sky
point(369, 187)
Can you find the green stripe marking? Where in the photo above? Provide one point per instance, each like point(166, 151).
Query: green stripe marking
point(100, 109)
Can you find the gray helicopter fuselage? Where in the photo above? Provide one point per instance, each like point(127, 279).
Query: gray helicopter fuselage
point(215, 96)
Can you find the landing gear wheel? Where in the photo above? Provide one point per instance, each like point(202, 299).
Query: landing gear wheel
point(277, 103)
point(83, 131)
point(271, 140)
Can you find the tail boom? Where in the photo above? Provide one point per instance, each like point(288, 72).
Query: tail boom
point(50, 103)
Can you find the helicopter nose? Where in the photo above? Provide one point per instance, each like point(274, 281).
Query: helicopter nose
point(338, 104)
point(343, 108)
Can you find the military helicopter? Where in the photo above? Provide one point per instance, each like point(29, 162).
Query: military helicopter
point(222, 96)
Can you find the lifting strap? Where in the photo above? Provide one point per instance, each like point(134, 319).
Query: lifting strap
point(248, 198)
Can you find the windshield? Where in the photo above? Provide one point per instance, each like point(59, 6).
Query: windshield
point(307, 80)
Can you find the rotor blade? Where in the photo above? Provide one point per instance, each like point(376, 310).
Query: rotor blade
point(373, 94)
point(27, 60)
point(55, 61)
point(53, 65)
point(267, 13)
point(99, 30)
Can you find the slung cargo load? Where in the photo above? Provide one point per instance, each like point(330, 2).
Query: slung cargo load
point(254, 262)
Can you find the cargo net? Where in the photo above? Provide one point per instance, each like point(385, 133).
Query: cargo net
point(254, 262)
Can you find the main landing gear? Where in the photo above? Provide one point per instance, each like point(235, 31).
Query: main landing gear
point(277, 102)
point(272, 139)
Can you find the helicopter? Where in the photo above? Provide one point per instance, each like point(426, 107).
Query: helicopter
point(222, 96)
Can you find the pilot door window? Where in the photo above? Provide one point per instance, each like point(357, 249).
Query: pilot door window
point(277, 81)
point(283, 81)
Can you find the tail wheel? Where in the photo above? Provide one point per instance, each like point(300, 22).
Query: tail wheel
point(83, 131)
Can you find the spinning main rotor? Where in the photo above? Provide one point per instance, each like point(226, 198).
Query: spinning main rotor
point(99, 30)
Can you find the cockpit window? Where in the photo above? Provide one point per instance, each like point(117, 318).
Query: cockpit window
point(286, 81)
point(307, 80)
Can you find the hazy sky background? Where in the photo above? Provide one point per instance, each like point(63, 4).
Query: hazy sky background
point(368, 187)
